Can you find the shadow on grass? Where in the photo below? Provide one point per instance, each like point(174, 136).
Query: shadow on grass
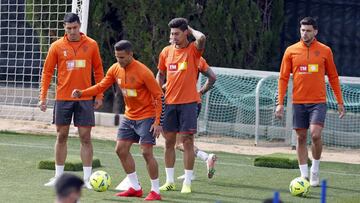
point(345, 189)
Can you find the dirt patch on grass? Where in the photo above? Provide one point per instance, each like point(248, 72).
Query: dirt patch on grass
point(210, 144)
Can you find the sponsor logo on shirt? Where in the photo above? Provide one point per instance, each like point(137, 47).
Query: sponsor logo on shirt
point(85, 48)
point(317, 53)
point(313, 68)
point(178, 66)
point(75, 64)
point(129, 92)
point(182, 66)
point(309, 69)
point(303, 68)
point(173, 67)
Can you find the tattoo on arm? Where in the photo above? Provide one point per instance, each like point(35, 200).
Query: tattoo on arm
point(160, 78)
point(211, 78)
point(200, 38)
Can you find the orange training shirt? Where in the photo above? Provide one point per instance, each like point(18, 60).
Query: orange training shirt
point(74, 62)
point(181, 66)
point(203, 66)
point(308, 66)
point(142, 94)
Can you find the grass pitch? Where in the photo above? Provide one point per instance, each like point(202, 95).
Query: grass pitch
point(236, 179)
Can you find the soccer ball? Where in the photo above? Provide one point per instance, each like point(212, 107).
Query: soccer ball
point(299, 187)
point(100, 181)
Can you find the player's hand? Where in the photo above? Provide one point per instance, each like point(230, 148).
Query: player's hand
point(163, 87)
point(76, 93)
point(189, 29)
point(156, 129)
point(341, 110)
point(200, 94)
point(42, 105)
point(279, 112)
point(98, 103)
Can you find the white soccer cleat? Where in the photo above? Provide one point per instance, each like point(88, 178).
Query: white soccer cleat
point(51, 182)
point(210, 163)
point(87, 185)
point(314, 179)
point(183, 177)
point(124, 185)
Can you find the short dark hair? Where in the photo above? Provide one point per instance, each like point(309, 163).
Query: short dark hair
point(71, 18)
point(181, 23)
point(123, 45)
point(68, 183)
point(309, 21)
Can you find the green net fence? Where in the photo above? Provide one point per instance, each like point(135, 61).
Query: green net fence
point(229, 110)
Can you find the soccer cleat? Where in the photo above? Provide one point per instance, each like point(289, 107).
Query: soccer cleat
point(183, 177)
point(210, 163)
point(124, 185)
point(153, 196)
point(186, 189)
point(306, 178)
point(87, 185)
point(51, 182)
point(168, 187)
point(314, 179)
point(131, 192)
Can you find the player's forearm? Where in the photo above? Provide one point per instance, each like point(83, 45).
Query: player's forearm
point(160, 78)
point(94, 90)
point(158, 110)
point(282, 87)
point(45, 83)
point(199, 37)
point(209, 84)
point(335, 85)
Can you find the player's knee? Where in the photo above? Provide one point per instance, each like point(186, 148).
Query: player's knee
point(188, 143)
point(316, 137)
point(148, 155)
point(121, 152)
point(169, 143)
point(61, 139)
point(85, 140)
point(301, 139)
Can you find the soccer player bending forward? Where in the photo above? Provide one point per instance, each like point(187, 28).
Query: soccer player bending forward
point(141, 123)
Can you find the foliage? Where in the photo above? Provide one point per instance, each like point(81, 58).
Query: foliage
point(240, 33)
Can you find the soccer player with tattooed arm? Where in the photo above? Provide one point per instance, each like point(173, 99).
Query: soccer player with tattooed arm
point(178, 64)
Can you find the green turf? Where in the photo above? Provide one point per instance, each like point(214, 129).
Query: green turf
point(72, 163)
point(236, 179)
point(278, 160)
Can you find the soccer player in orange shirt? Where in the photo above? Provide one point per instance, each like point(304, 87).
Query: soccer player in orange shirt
point(178, 64)
point(309, 60)
point(141, 123)
point(76, 57)
point(211, 158)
